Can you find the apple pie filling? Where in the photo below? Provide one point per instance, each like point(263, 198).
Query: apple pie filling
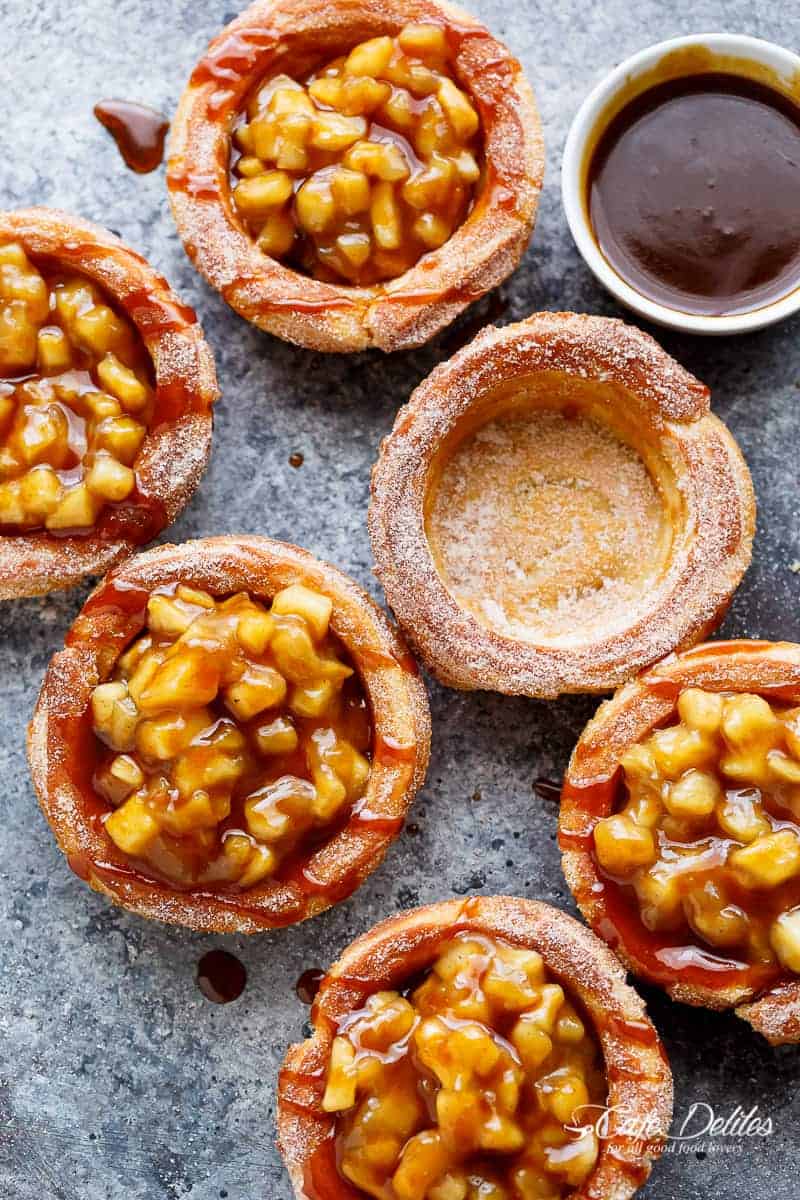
point(357, 171)
point(466, 1086)
point(233, 735)
point(708, 840)
point(76, 397)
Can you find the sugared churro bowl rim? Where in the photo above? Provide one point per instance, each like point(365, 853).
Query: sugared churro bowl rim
point(710, 472)
point(395, 694)
point(771, 669)
point(175, 452)
point(272, 36)
point(399, 948)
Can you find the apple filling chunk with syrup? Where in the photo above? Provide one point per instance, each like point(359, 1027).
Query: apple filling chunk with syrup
point(76, 398)
point(233, 735)
point(355, 173)
point(474, 1085)
point(709, 836)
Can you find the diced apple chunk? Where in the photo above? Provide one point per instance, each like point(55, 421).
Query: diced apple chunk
point(188, 679)
point(109, 479)
point(767, 862)
point(261, 687)
point(785, 939)
point(77, 510)
point(132, 826)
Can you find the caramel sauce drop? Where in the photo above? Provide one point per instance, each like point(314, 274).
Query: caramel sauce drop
point(547, 790)
point(139, 132)
point(221, 977)
point(307, 985)
point(296, 459)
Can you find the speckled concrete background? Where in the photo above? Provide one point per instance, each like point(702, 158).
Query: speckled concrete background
point(118, 1081)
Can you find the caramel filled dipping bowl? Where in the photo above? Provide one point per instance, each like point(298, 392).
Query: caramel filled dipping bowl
point(681, 186)
point(556, 507)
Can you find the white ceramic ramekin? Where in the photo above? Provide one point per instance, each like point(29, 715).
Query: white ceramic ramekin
point(729, 52)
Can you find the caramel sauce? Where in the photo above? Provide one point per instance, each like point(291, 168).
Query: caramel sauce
point(632, 1031)
point(547, 790)
point(375, 660)
point(390, 752)
point(197, 184)
point(693, 192)
point(81, 865)
point(669, 688)
point(221, 977)
point(666, 958)
point(112, 616)
point(125, 605)
point(139, 132)
point(153, 316)
point(307, 985)
point(322, 1179)
point(141, 516)
point(233, 55)
point(306, 306)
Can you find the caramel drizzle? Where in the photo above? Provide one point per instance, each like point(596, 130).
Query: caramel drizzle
point(234, 59)
point(112, 616)
point(666, 959)
point(301, 1092)
point(230, 60)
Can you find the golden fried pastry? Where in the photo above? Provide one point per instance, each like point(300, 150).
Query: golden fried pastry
point(355, 174)
point(680, 829)
point(230, 738)
point(106, 388)
point(468, 1051)
point(556, 507)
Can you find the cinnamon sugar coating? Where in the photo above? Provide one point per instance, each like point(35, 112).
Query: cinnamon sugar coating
point(760, 988)
point(63, 759)
point(175, 449)
point(295, 37)
point(499, 500)
point(397, 952)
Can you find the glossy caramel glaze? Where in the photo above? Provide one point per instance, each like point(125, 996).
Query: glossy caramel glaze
point(179, 364)
point(757, 985)
point(63, 757)
point(266, 41)
point(397, 955)
point(694, 194)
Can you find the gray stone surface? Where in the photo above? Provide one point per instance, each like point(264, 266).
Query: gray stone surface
point(118, 1081)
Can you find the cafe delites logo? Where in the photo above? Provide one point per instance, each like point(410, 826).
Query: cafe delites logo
point(701, 1129)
